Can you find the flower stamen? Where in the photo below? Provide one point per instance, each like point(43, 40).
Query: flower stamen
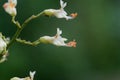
point(74, 15)
point(72, 43)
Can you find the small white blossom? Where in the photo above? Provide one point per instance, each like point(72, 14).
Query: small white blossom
point(3, 44)
point(16, 78)
point(57, 40)
point(4, 57)
point(26, 78)
point(3, 51)
point(60, 13)
point(10, 7)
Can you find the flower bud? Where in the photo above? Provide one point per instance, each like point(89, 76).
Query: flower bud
point(10, 7)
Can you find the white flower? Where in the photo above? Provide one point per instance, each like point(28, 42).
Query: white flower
point(16, 78)
point(4, 57)
point(10, 7)
point(26, 78)
point(3, 44)
point(57, 40)
point(60, 13)
point(3, 51)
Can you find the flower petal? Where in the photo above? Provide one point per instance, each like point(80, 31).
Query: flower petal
point(32, 75)
point(13, 2)
point(62, 4)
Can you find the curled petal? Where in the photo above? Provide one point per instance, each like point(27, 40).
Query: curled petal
point(62, 4)
point(32, 75)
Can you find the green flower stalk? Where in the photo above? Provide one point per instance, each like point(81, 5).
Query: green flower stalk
point(57, 40)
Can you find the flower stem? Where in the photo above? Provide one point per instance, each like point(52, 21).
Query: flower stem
point(14, 37)
point(31, 18)
point(21, 27)
point(34, 43)
point(16, 22)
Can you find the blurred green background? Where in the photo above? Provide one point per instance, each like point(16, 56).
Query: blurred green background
point(96, 31)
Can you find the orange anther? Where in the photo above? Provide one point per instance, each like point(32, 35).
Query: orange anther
point(74, 15)
point(72, 43)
